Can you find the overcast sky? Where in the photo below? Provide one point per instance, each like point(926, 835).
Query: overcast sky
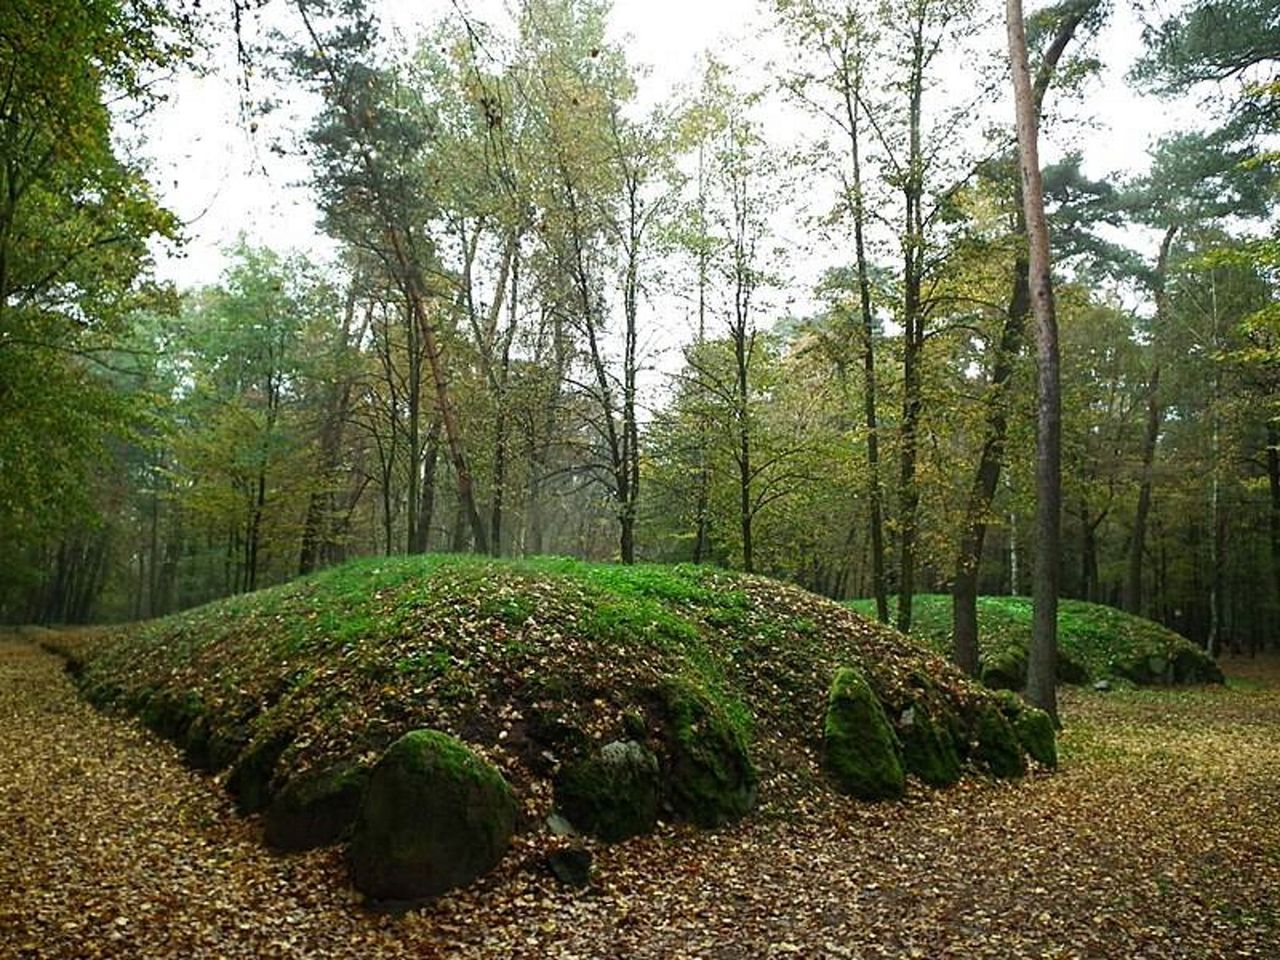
point(222, 178)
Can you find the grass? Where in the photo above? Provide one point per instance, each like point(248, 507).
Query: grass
point(1095, 642)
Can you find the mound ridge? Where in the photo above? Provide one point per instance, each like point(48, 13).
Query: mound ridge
point(1095, 642)
point(536, 665)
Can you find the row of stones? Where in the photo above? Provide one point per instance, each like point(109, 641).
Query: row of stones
point(432, 814)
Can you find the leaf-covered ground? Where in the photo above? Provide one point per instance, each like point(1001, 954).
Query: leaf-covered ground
point(1159, 837)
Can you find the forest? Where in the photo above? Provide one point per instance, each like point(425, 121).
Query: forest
point(564, 320)
point(815, 496)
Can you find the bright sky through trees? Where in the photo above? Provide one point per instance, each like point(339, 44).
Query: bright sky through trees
point(225, 174)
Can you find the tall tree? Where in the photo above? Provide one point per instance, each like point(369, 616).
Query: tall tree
point(1042, 668)
point(1065, 20)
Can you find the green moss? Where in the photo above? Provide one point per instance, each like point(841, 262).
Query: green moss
point(996, 748)
point(435, 816)
point(1034, 728)
point(1006, 670)
point(861, 751)
point(613, 794)
point(928, 748)
point(316, 808)
point(252, 773)
point(710, 779)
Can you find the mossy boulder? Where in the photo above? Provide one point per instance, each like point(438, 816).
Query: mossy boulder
point(710, 779)
point(435, 816)
point(996, 748)
point(614, 794)
point(1033, 727)
point(1005, 669)
point(861, 750)
point(250, 779)
point(316, 808)
point(928, 748)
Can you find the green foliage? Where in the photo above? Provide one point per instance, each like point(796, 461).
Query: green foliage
point(75, 221)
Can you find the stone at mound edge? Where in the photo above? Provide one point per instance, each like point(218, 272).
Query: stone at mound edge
point(316, 808)
point(997, 748)
point(710, 778)
point(928, 749)
point(861, 751)
point(1033, 728)
point(613, 794)
point(435, 816)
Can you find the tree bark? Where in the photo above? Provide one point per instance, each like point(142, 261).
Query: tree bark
point(913, 334)
point(1042, 666)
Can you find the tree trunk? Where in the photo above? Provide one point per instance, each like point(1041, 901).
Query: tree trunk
point(964, 593)
point(875, 499)
point(1042, 666)
point(427, 501)
point(1273, 518)
point(964, 590)
point(912, 335)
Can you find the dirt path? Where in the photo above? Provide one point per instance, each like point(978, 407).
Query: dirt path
point(1159, 838)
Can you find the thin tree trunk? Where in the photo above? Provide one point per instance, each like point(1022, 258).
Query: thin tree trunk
point(964, 593)
point(964, 590)
point(1273, 518)
point(852, 84)
point(1042, 666)
point(1151, 434)
point(913, 333)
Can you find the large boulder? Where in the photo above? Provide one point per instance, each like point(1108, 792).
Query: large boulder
point(928, 749)
point(315, 808)
point(996, 748)
point(1033, 727)
point(613, 794)
point(710, 778)
point(435, 816)
point(862, 753)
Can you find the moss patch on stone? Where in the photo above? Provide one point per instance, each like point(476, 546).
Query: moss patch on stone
point(861, 752)
point(710, 779)
point(996, 747)
point(251, 775)
point(1033, 727)
point(435, 816)
point(928, 748)
point(613, 794)
point(316, 808)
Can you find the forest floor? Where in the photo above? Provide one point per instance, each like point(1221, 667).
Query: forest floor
point(1158, 837)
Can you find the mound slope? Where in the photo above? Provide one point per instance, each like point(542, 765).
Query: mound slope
point(541, 667)
point(1095, 642)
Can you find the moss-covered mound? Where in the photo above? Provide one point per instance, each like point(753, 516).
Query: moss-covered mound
point(1095, 642)
point(574, 680)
